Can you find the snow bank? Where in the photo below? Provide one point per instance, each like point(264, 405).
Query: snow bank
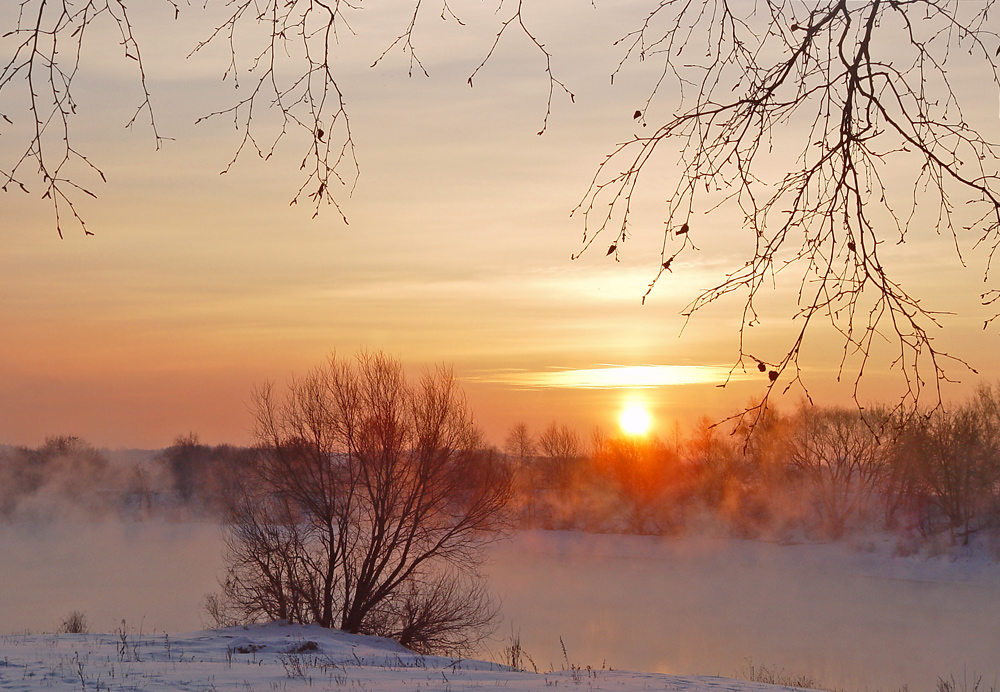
point(287, 658)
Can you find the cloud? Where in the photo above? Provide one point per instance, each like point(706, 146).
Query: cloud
point(611, 376)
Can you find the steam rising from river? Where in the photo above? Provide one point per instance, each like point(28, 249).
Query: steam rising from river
point(154, 575)
point(851, 617)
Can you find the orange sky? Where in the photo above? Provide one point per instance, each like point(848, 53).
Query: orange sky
point(198, 286)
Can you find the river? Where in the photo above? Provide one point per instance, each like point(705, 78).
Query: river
point(853, 618)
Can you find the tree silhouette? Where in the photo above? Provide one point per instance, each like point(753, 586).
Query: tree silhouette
point(832, 128)
point(793, 114)
point(368, 510)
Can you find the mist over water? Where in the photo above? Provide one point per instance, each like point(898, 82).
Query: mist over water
point(853, 620)
point(154, 575)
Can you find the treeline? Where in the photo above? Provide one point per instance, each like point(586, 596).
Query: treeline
point(69, 477)
point(815, 473)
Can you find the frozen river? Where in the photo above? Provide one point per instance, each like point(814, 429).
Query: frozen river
point(849, 618)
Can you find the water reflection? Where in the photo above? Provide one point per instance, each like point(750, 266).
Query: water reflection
point(154, 575)
point(849, 620)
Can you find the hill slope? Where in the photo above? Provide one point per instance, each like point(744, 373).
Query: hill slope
point(286, 658)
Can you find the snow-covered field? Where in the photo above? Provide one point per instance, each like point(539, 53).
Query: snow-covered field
point(286, 658)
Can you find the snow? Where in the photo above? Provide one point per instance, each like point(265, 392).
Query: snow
point(287, 658)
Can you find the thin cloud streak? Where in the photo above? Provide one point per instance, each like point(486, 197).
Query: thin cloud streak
point(616, 376)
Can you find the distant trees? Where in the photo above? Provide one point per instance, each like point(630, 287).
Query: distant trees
point(713, 459)
point(63, 474)
point(520, 445)
point(200, 476)
point(67, 475)
point(840, 461)
point(368, 508)
point(650, 481)
point(952, 469)
point(818, 473)
point(561, 452)
point(369, 498)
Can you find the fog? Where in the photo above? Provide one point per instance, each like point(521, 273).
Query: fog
point(154, 575)
point(850, 617)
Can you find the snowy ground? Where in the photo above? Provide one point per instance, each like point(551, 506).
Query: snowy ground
point(287, 658)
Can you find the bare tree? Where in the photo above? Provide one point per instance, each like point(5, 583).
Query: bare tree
point(842, 461)
point(561, 454)
point(956, 468)
point(45, 48)
point(520, 444)
point(369, 509)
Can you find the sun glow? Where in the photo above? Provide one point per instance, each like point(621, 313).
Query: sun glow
point(634, 420)
point(614, 376)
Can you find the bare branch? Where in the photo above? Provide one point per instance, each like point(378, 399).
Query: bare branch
point(301, 35)
point(517, 19)
point(45, 47)
point(833, 82)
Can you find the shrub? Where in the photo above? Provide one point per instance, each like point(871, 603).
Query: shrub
point(75, 623)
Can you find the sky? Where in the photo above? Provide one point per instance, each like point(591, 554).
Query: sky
point(196, 286)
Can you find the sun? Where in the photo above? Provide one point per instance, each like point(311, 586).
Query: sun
point(634, 420)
